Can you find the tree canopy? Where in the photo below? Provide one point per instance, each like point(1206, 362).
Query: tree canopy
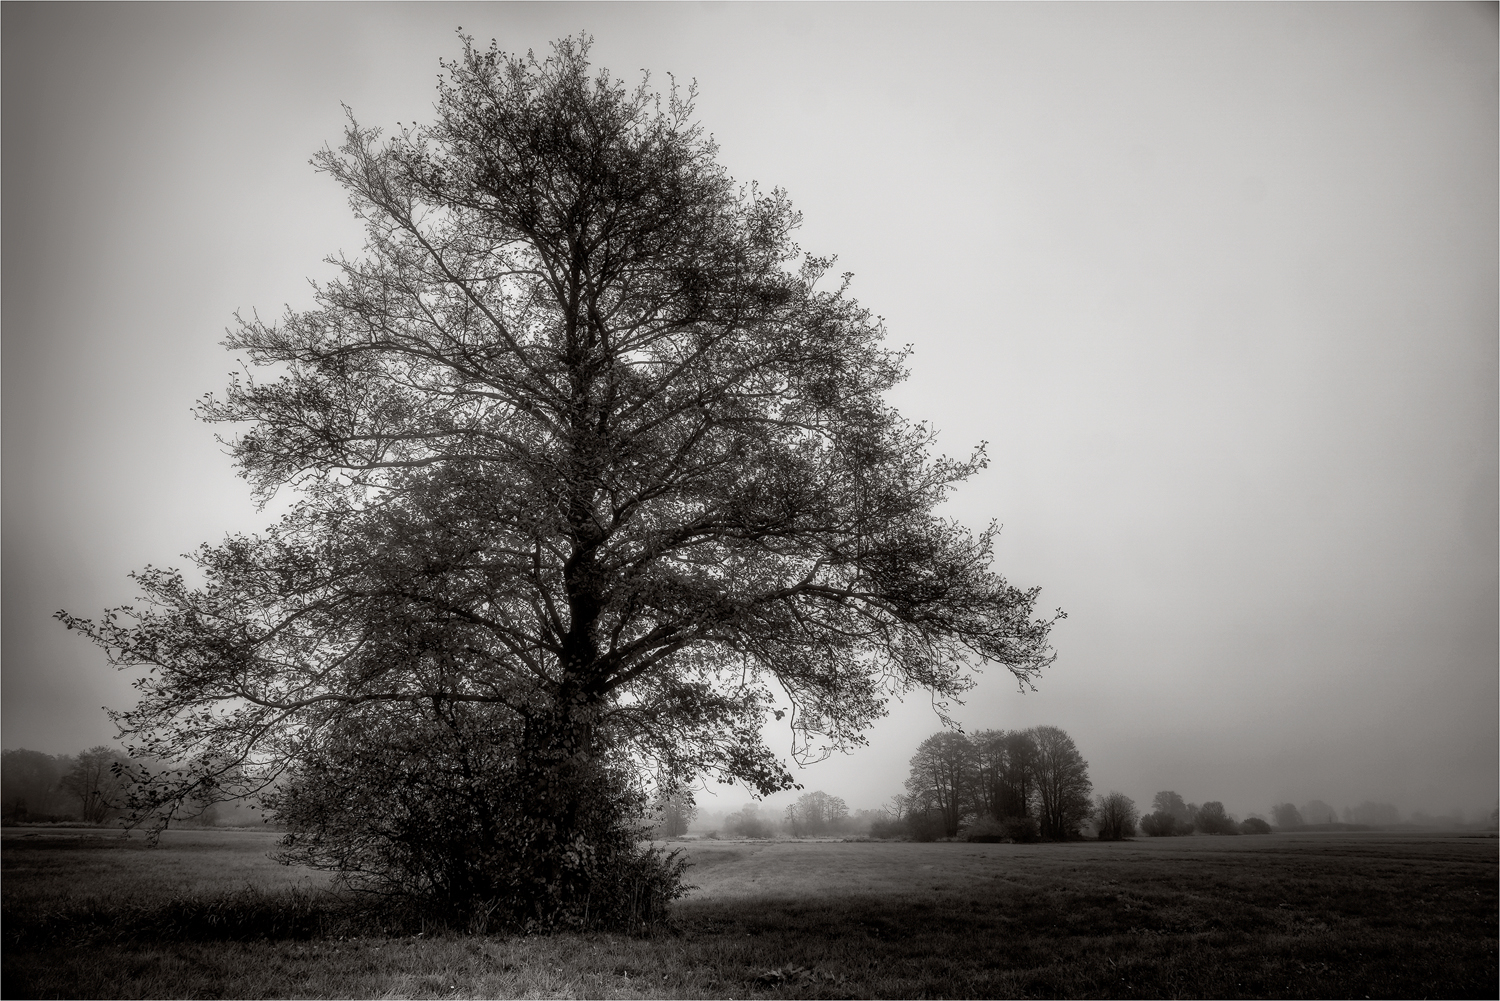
point(587, 451)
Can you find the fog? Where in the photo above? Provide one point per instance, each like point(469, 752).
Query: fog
point(1216, 283)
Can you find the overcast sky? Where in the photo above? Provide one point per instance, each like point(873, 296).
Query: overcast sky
point(1217, 283)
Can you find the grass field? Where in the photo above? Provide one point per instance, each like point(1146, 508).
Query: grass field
point(92, 914)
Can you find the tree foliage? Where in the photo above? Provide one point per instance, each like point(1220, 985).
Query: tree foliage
point(590, 460)
point(1171, 803)
point(1169, 816)
point(92, 786)
point(1158, 824)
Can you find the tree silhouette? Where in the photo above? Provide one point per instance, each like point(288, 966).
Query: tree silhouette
point(1115, 817)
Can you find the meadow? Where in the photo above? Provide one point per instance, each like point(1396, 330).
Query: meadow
point(91, 913)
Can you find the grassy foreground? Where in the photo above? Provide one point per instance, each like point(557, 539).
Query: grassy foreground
point(92, 914)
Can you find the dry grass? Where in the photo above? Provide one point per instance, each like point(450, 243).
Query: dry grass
point(1324, 915)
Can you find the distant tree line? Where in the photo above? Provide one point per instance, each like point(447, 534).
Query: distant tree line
point(84, 787)
point(1022, 785)
point(91, 787)
point(1316, 814)
point(1170, 816)
point(814, 814)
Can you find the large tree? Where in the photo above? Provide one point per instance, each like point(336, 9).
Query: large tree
point(589, 459)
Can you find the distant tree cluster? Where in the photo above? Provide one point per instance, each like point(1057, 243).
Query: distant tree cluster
point(1170, 816)
point(1014, 785)
point(817, 813)
point(1318, 814)
point(1315, 811)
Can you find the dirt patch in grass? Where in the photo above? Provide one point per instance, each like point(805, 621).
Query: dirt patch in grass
point(1279, 916)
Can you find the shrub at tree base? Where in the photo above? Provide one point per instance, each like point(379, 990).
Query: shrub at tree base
point(1016, 830)
point(983, 830)
point(1023, 830)
point(446, 812)
point(1254, 825)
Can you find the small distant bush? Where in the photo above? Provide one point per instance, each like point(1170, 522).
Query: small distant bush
point(1254, 825)
point(887, 829)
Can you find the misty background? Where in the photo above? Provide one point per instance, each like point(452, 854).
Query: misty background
point(1217, 283)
